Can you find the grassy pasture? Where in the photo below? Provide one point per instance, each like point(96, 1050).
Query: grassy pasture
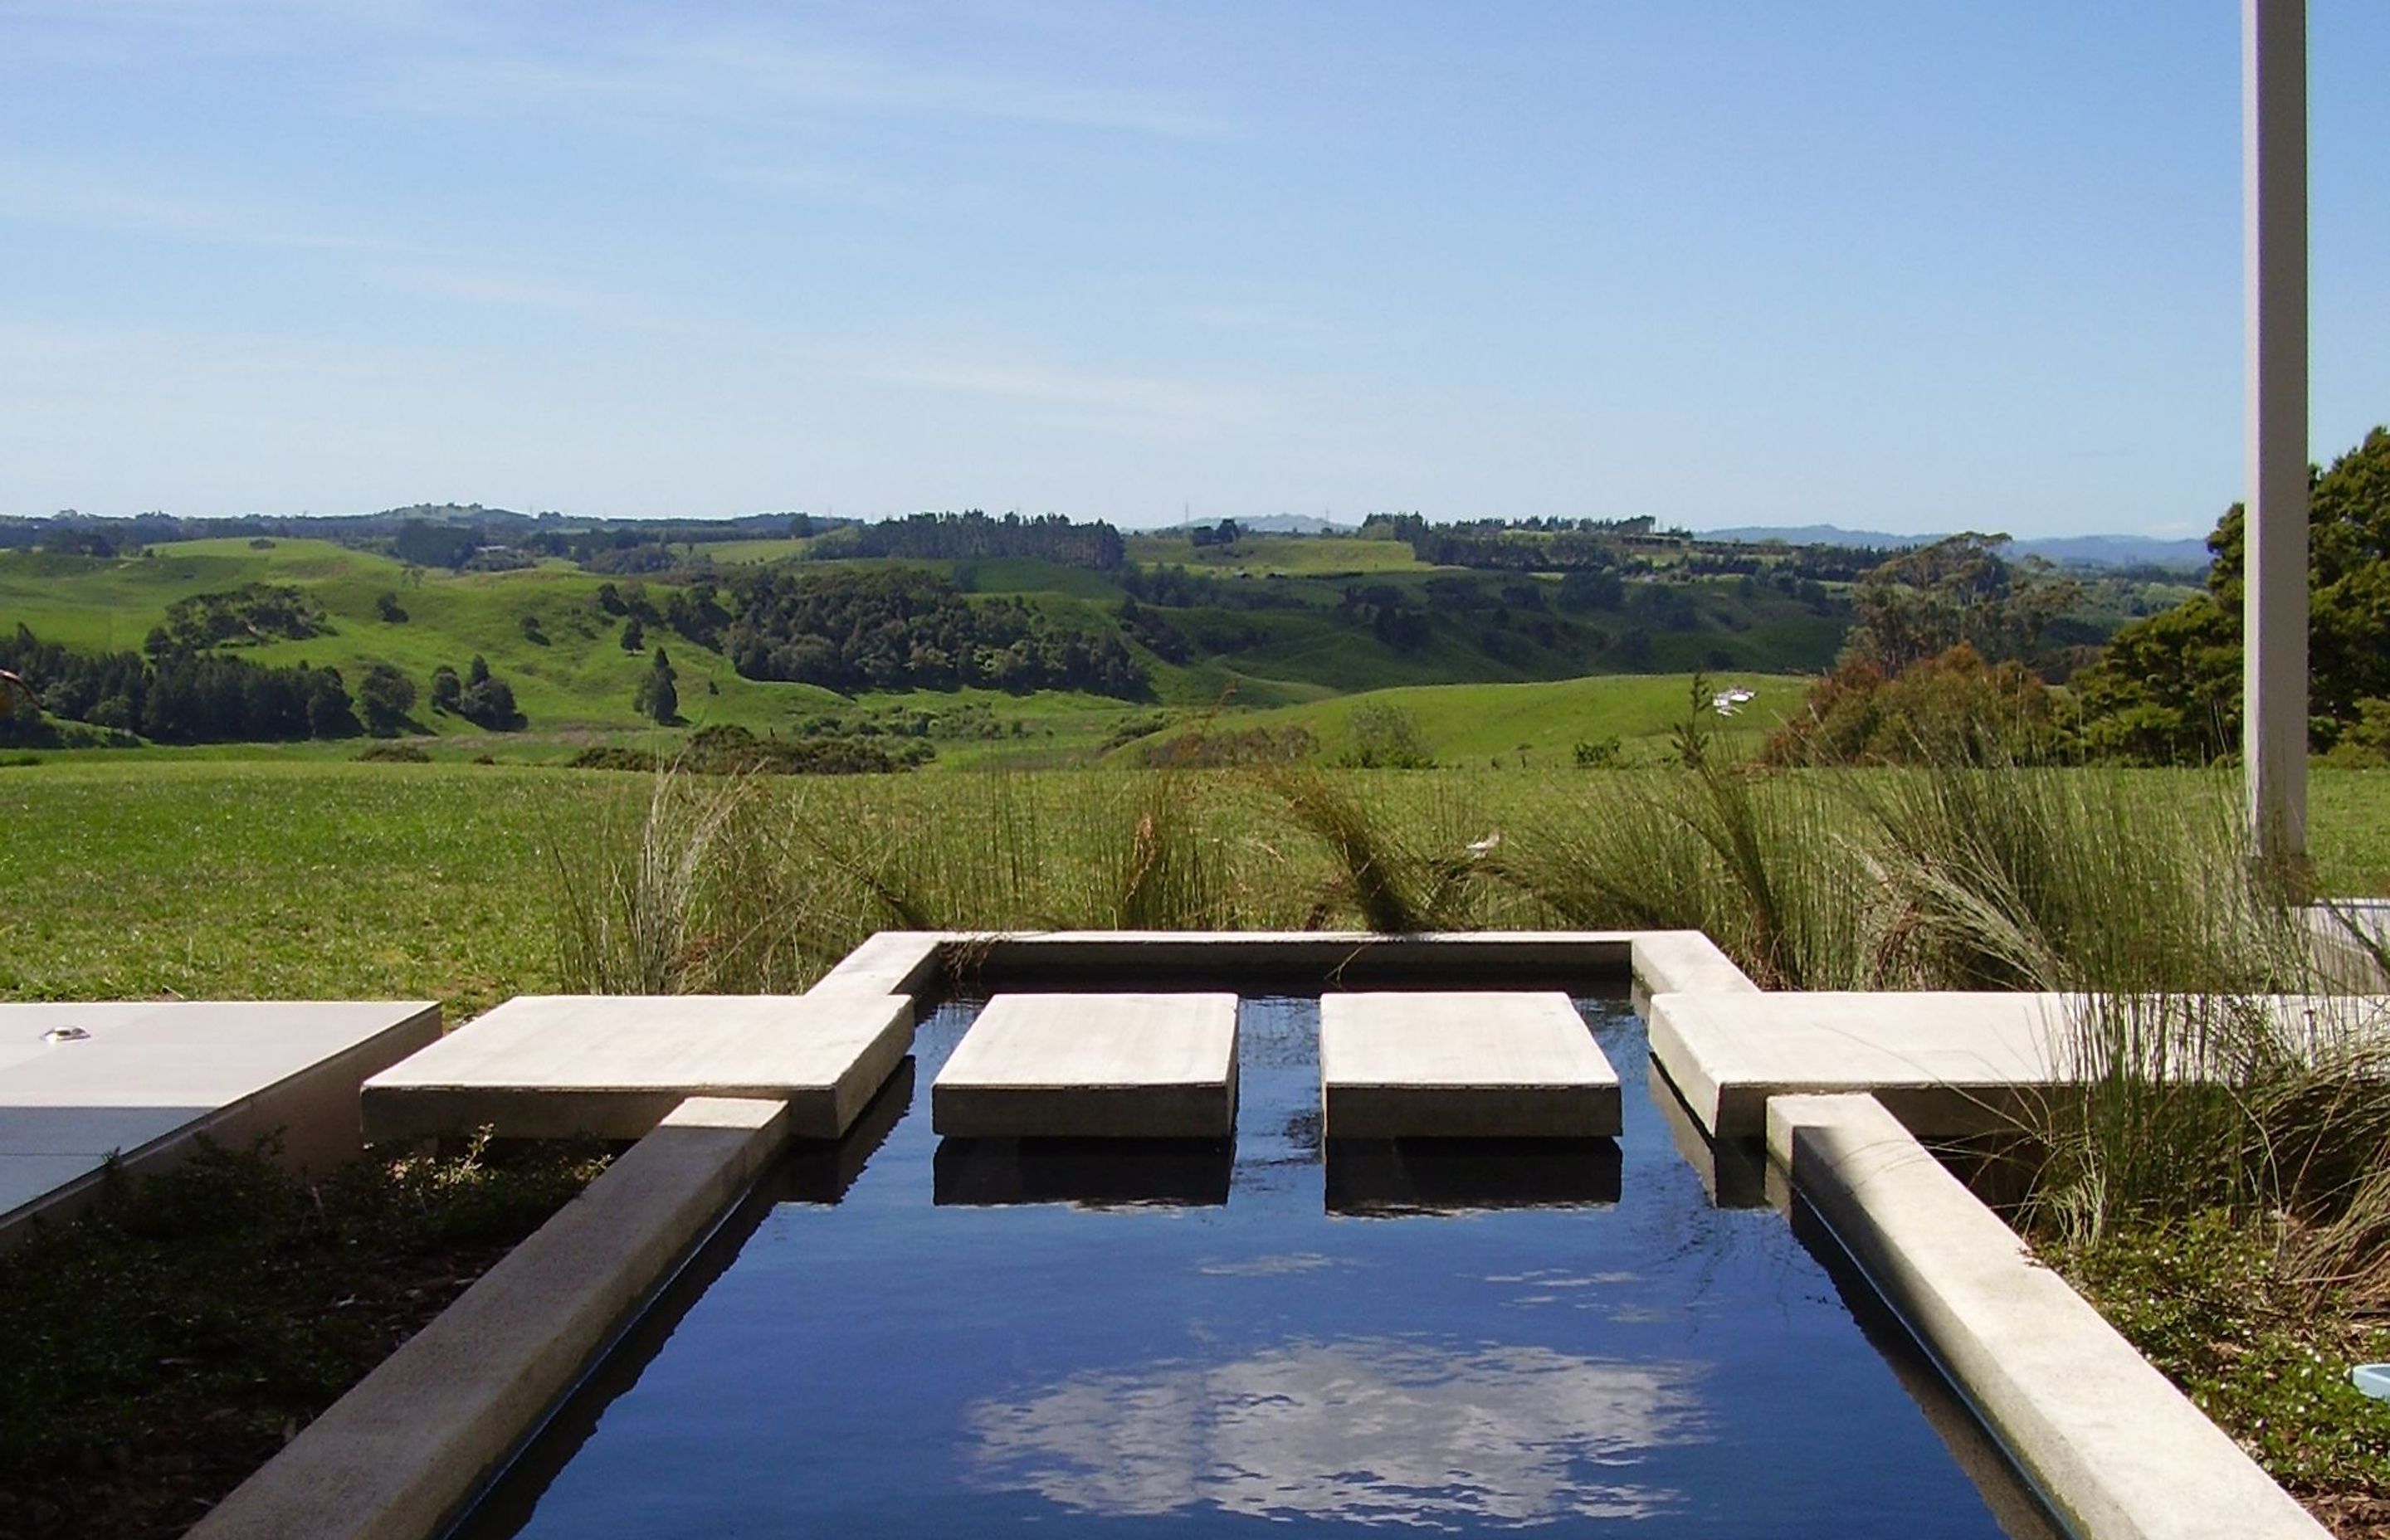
point(204, 878)
point(543, 630)
point(1285, 555)
point(1542, 721)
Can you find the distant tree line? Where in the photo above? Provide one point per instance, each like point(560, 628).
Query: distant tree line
point(182, 696)
point(208, 696)
point(694, 609)
point(545, 533)
point(646, 545)
point(975, 535)
point(1152, 629)
point(1629, 545)
point(907, 629)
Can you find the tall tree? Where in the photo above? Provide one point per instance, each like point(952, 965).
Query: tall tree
point(2168, 688)
point(658, 695)
point(385, 695)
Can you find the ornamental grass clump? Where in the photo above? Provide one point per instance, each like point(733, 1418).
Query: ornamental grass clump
point(1763, 863)
point(2209, 1070)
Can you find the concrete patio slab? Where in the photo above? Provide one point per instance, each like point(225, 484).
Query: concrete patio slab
point(1486, 1064)
point(144, 1080)
point(1947, 1064)
point(1685, 961)
point(554, 1066)
point(1093, 1066)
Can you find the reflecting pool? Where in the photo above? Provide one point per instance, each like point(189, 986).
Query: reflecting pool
point(905, 1337)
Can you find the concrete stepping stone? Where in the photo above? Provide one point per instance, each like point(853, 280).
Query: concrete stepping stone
point(1093, 1066)
point(555, 1066)
point(1467, 1065)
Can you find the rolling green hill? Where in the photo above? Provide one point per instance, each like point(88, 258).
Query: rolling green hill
point(579, 679)
point(1287, 624)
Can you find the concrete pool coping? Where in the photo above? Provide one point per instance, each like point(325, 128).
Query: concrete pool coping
point(398, 1455)
point(412, 1446)
point(142, 1084)
point(2113, 1448)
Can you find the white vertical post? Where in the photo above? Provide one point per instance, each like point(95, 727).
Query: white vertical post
point(2274, 670)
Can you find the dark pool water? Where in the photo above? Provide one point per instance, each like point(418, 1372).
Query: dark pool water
point(905, 1339)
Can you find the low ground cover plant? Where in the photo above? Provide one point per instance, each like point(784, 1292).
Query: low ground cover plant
point(166, 1343)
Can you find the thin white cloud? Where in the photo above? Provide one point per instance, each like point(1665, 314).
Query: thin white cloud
point(526, 292)
point(45, 196)
point(858, 190)
point(749, 77)
point(47, 35)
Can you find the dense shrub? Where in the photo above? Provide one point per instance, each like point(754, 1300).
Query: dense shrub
point(386, 695)
point(658, 695)
point(1953, 709)
point(259, 612)
point(1385, 736)
point(485, 699)
point(727, 750)
point(1197, 749)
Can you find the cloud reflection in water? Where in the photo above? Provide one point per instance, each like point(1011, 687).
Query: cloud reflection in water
point(1365, 1430)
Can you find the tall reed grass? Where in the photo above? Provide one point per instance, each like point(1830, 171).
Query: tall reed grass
point(2194, 1088)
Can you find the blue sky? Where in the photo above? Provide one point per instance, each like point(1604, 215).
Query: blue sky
point(1880, 263)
